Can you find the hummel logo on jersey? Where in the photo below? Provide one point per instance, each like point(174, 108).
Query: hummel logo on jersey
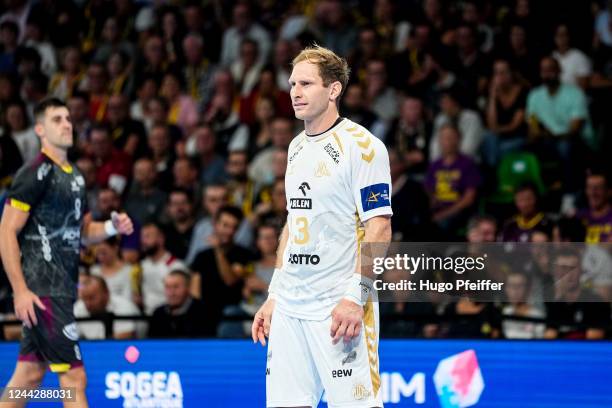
point(43, 170)
point(303, 187)
point(321, 170)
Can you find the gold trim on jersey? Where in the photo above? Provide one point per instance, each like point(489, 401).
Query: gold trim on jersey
point(363, 141)
point(339, 143)
point(369, 328)
point(20, 205)
point(67, 168)
point(359, 232)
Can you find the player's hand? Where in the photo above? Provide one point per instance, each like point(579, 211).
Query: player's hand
point(261, 323)
point(24, 307)
point(347, 318)
point(122, 223)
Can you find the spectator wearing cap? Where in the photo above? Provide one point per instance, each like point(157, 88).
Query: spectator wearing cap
point(181, 316)
point(156, 265)
point(452, 182)
point(466, 120)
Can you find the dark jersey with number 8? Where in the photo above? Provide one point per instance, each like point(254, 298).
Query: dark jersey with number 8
point(55, 198)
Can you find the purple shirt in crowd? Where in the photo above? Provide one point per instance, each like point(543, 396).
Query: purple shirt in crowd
point(598, 229)
point(448, 182)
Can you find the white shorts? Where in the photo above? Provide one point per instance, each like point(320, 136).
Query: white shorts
point(302, 362)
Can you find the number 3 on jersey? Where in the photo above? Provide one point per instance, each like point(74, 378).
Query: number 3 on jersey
point(302, 236)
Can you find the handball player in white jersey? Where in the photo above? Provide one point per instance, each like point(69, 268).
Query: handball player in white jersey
point(322, 329)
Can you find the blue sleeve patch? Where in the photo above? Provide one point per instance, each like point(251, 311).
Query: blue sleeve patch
point(375, 196)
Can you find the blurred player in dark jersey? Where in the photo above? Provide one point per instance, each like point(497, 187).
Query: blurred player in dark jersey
point(44, 222)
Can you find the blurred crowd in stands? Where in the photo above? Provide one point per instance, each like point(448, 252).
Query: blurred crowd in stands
point(493, 111)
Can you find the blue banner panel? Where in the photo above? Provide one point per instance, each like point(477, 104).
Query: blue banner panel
point(414, 373)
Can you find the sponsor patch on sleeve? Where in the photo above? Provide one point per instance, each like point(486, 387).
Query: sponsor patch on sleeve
point(375, 196)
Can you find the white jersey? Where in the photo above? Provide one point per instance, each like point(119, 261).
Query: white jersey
point(334, 182)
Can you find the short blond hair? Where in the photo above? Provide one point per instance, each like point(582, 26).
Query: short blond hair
point(332, 67)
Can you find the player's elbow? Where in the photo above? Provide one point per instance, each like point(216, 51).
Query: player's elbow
point(378, 229)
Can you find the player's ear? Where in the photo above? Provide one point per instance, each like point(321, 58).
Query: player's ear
point(335, 90)
point(39, 130)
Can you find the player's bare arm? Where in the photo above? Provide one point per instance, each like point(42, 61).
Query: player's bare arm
point(347, 316)
point(261, 323)
point(96, 231)
point(13, 220)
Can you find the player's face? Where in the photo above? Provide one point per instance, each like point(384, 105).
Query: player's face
point(56, 127)
point(310, 98)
